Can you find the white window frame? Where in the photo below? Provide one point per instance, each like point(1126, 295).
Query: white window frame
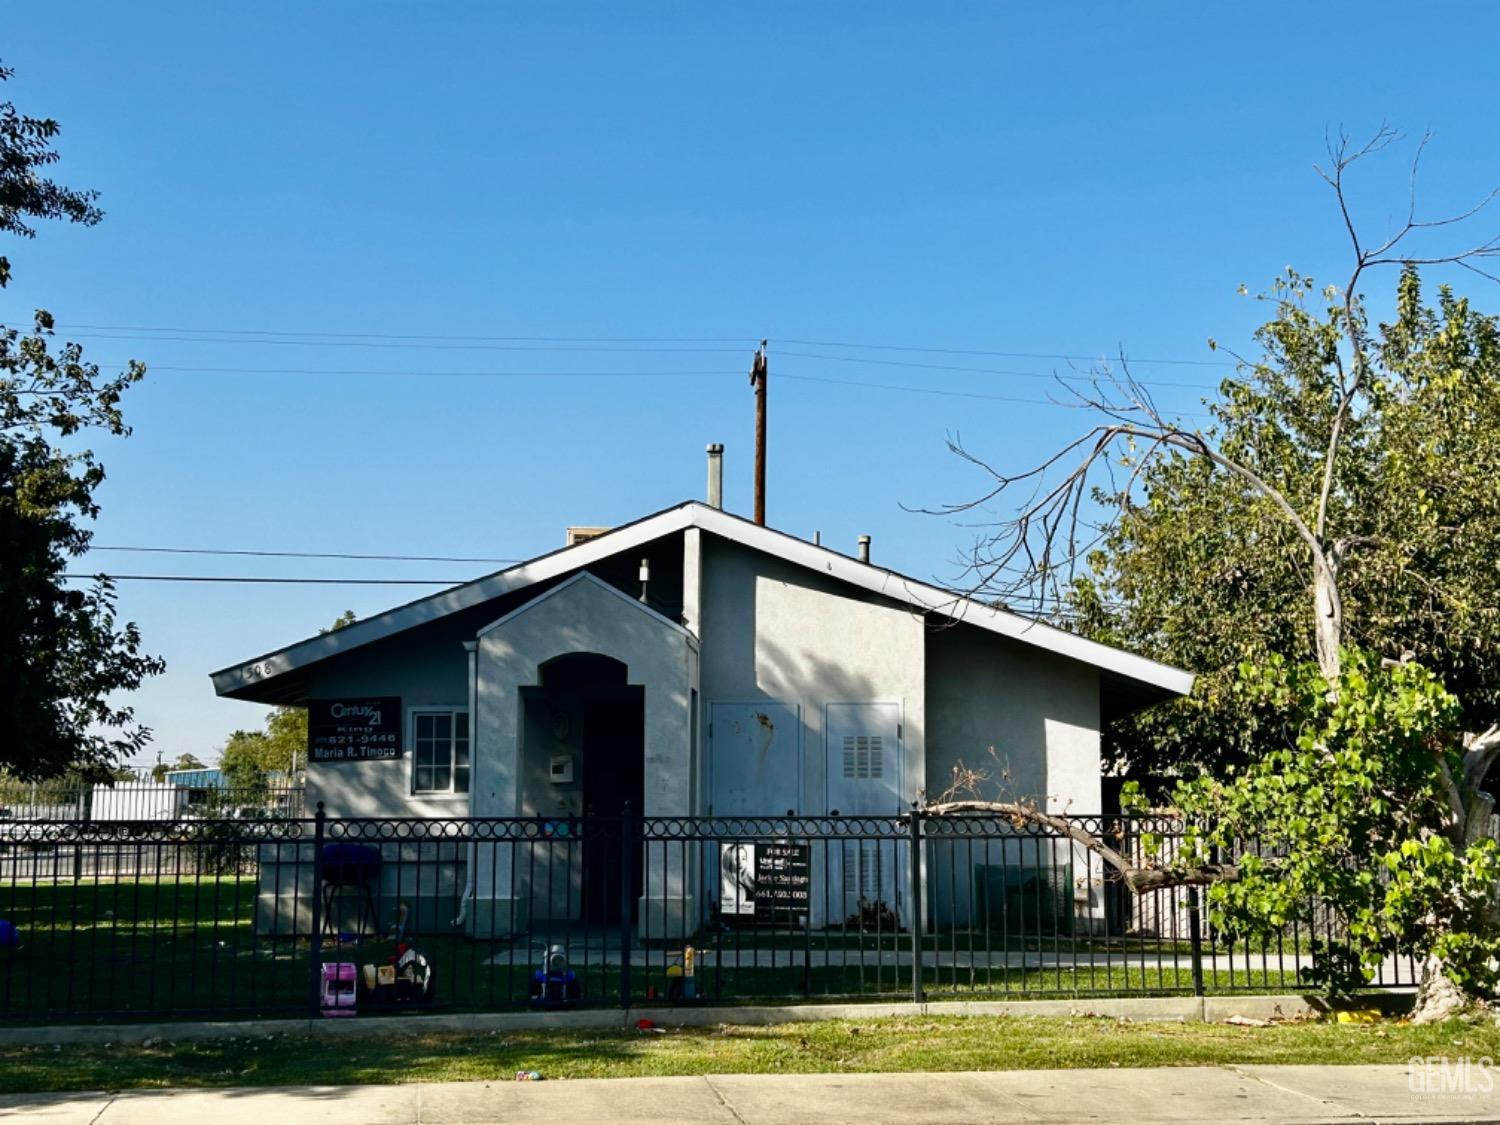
point(453, 712)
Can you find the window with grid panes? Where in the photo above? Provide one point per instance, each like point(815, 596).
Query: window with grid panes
point(440, 752)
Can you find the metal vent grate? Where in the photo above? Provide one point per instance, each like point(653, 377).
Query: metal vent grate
point(863, 757)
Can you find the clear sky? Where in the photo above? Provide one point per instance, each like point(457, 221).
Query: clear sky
point(1071, 179)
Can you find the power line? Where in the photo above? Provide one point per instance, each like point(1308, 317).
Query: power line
point(425, 346)
point(954, 394)
point(421, 374)
point(907, 388)
point(582, 343)
point(993, 354)
point(302, 554)
point(1034, 612)
point(260, 579)
point(438, 336)
point(1080, 377)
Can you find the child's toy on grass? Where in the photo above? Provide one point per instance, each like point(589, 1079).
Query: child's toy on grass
point(406, 978)
point(415, 982)
point(339, 988)
point(680, 982)
point(554, 984)
point(10, 934)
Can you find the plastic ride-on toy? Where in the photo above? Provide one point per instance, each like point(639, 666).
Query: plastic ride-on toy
point(555, 985)
point(339, 988)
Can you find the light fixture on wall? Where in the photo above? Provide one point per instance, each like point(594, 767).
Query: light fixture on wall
point(645, 576)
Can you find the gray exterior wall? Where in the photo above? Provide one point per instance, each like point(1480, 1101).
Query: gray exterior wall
point(777, 632)
point(1040, 713)
point(427, 667)
point(771, 632)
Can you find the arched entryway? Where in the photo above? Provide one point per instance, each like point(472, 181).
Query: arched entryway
point(554, 645)
point(584, 745)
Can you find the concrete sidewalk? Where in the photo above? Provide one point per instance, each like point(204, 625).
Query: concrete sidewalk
point(1198, 1094)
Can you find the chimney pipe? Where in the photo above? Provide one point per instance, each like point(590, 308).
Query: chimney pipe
point(716, 475)
point(864, 548)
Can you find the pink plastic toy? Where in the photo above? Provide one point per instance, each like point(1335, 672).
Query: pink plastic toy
point(339, 988)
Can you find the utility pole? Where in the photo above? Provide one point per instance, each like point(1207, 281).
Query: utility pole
point(758, 381)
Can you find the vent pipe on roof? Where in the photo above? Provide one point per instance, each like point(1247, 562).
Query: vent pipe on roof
point(864, 548)
point(716, 475)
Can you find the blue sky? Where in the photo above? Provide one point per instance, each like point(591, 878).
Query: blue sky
point(1074, 179)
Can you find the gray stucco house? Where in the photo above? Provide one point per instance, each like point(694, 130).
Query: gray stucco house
point(696, 663)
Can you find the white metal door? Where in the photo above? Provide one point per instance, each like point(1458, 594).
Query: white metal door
point(755, 759)
point(862, 766)
point(864, 758)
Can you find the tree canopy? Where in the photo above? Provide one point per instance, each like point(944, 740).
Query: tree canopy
point(1327, 536)
point(64, 655)
point(1199, 571)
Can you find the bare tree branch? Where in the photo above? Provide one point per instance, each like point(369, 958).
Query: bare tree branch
point(1044, 540)
point(1139, 879)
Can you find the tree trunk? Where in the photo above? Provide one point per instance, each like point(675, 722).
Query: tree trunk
point(1328, 617)
point(1438, 997)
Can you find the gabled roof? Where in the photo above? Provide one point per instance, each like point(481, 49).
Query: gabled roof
point(1158, 680)
point(583, 577)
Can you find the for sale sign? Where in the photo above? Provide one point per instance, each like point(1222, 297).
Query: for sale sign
point(354, 730)
point(767, 880)
point(783, 878)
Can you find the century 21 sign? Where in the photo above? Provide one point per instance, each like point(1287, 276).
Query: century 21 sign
point(354, 730)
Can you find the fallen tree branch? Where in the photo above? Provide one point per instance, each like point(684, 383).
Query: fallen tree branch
point(1138, 879)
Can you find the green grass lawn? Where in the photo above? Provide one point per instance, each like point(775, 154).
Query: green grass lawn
point(140, 948)
point(929, 1044)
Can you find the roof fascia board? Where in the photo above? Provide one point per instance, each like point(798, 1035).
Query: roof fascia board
point(900, 588)
point(876, 580)
point(465, 596)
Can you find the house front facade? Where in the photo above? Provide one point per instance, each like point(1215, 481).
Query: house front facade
point(692, 664)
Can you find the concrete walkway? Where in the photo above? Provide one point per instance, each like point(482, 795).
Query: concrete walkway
point(1120, 1097)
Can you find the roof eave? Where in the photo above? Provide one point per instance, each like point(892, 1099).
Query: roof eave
point(239, 680)
point(248, 679)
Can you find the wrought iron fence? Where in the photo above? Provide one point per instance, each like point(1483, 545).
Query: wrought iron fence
point(300, 915)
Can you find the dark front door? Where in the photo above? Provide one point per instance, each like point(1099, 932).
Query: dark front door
point(614, 754)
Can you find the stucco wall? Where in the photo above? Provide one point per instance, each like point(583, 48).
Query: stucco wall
point(775, 631)
point(1040, 713)
point(426, 667)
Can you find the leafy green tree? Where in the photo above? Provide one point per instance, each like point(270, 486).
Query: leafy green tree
point(1350, 811)
point(251, 756)
point(1340, 510)
point(64, 656)
point(1200, 570)
point(184, 762)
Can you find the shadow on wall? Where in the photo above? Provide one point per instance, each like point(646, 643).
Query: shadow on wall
point(815, 681)
point(984, 692)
